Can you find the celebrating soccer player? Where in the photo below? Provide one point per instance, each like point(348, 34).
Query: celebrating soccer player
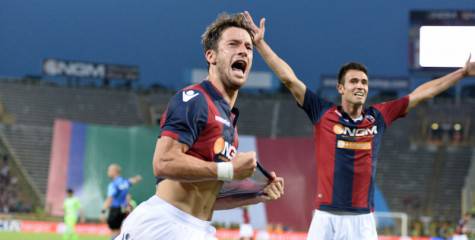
point(347, 140)
point(197, 150)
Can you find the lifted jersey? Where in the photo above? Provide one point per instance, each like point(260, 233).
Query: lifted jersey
point(346, 151)
point(199, 117)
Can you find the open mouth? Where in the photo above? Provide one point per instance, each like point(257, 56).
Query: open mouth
point(239, 65)
point(359, 94)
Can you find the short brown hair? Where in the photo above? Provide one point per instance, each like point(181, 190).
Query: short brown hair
point(213, 32)
point(350, 66)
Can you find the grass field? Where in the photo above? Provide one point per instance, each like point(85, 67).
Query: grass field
point(43, 236)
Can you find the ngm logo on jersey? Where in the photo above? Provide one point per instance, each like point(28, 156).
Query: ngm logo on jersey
point(225, 149)
point(355, 132)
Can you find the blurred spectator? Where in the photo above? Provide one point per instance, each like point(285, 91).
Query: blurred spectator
point(461, 231)
point(5, 170)
point(245, 229)
point(416, 229)
point(8, 188)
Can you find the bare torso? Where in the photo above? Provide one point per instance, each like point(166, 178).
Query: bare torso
point(195, 198)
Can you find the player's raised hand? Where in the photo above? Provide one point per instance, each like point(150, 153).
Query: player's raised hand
point(258, 32)
point(244, 165)
point(469, 67)
point(275, 189)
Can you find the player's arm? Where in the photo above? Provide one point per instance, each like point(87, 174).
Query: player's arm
point(432, 88)
point(283, 71)
point(107, 203)
point(105, 206)
point(273, 191)
point(171, 161)
point(182, 125)
point(135, 179)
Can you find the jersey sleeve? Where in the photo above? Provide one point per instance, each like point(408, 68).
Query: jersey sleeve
point(111, 190)
point(314, 105)
point(393, 110)
point(186, 115)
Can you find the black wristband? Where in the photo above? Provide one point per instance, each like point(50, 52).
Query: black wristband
point(103, 211)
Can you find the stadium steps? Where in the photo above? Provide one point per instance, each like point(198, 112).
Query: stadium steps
point(454, 170)
point(31, 145)
point(39, 105)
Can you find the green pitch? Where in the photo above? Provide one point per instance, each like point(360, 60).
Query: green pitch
point(43, 236)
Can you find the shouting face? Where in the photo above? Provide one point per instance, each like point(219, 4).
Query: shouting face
point(232, 60)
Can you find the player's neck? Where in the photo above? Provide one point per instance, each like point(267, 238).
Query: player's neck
point(353, 110)
point(229, 95)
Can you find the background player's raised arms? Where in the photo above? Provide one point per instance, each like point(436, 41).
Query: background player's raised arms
point(432, 88)
point(297, 88)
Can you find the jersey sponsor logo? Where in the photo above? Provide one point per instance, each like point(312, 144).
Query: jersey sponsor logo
point(225, 149)
point(222, 120)
point(355, 132)
point(353, 145)
point(188, 95)
point(123, 186)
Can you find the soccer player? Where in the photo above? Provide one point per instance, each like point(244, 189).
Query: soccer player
point(347, 140)
point(116, 201)
point(197, 150)
point(72, 208)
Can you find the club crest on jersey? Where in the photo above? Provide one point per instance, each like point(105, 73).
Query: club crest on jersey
point(355, 132)
point(370, 118)
point(225, 149)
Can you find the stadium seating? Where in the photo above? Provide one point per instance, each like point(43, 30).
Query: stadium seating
point(31, 145)
point(39, 105)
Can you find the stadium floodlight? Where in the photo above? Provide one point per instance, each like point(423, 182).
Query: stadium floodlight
point(446, 46)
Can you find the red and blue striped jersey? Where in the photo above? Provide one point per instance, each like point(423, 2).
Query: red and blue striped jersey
point(346, 151)
point(199, 117)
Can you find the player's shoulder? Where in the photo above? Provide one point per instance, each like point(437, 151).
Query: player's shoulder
point(191, 95)
point(117, 180)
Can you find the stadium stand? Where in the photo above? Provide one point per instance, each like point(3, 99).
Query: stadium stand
point(39, 105)
point(31, 145)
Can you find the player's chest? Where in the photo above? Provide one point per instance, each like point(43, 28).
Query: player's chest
point(342, 127)
point(221, 134)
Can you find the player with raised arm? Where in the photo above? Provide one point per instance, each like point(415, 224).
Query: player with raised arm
point(197, 150)
point(347, 140)
point(116, 202)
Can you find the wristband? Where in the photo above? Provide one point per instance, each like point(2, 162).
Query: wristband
point(225, 171)
point(103, 211)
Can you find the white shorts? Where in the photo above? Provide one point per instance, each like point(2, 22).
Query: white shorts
point(245, 230)
point(156, 219)
point(330, 226)
point(460, 237)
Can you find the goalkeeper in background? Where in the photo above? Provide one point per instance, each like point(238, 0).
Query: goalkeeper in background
point(72, 211)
